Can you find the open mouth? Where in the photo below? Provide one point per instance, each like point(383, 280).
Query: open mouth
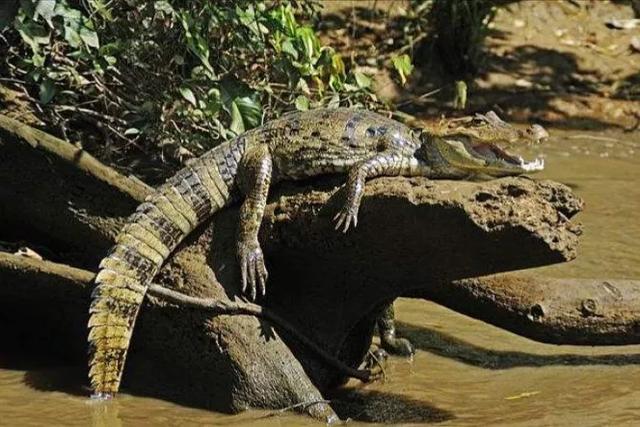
point(494, 154)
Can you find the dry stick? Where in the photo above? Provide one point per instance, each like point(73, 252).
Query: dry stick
point(236, 308)
point(295, 406)
point(77, 156)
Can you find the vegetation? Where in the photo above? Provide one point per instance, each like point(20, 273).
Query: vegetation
point(173, 77)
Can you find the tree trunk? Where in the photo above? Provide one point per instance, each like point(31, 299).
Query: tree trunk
point(412, 233)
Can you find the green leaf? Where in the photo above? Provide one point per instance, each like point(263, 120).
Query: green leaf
point(164, 7)
point(302, 103)
point(303, 86)
point(337, 64)
point(403, 66)
point(89, 37)
point(251, 111)
point(309, 42)
point(188, 95)
point(362, 80)
point(237, 124)
point(45, 8)
point(33, 34)
point(132, 131)
point(47, 91)
point(287, 47)
point(72, 36)
point(335, 82)
point(242, 104)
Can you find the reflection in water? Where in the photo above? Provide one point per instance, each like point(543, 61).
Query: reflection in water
point(465, 372)
point(105, 413)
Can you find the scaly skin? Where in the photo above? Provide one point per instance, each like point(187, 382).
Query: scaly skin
point(298, 145)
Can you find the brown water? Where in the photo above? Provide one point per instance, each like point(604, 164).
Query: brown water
point(465, 372)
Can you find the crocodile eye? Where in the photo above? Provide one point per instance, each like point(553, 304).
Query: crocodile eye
point(375, 131)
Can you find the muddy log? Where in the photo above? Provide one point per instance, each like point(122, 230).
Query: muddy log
point(556, 311)
point(411, 233)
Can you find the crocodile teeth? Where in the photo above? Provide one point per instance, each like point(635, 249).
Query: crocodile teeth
point(536, 165)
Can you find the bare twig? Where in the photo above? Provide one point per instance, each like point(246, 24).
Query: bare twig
point(236, 308)
point(296, 406)
point(90, 112)
point(80, 158)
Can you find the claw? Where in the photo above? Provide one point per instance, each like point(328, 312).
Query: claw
point(252, 276)
point(341, 218)
point(347, 223)
point(261, 288)
point(262, 276)
point(243, 272)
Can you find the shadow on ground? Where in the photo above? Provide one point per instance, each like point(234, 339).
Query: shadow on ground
point(380, 407)
point(446, 345)
point(522, 81)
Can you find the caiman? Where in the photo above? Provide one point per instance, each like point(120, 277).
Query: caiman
point(298, 145)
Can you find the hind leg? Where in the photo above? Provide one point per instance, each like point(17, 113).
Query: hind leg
point(388, 336)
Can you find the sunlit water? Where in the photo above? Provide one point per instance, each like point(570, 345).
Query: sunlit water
point(465, 372)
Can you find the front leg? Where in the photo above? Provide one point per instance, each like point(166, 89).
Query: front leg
point(254, 176)
point(385, 163)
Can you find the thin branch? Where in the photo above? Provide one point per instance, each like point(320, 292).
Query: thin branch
point(90, 112)
point(77, 156)
point(218, 307)
point(296, 406)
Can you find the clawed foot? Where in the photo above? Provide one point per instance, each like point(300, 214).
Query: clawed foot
point(376, 361)
point(252, 269)
point(346, 216)
point(397, 346)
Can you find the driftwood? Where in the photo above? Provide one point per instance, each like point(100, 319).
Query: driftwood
point(556, 311)
point(413, 234)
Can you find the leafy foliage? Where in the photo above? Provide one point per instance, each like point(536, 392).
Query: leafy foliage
point(178, 74)
point(404, 67)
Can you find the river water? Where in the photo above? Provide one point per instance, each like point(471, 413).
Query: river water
point(465, 373)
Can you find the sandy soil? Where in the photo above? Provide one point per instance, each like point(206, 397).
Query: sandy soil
point(555, 62)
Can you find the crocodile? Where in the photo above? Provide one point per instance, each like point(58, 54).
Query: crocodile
point(296, 146)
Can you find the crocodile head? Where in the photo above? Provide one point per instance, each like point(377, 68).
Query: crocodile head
point(465, 153)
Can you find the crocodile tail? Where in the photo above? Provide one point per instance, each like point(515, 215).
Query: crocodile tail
point(150, 235)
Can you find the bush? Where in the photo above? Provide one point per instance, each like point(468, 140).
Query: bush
point(179, 73)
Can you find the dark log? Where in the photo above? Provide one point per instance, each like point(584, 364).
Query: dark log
point(556, 311)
